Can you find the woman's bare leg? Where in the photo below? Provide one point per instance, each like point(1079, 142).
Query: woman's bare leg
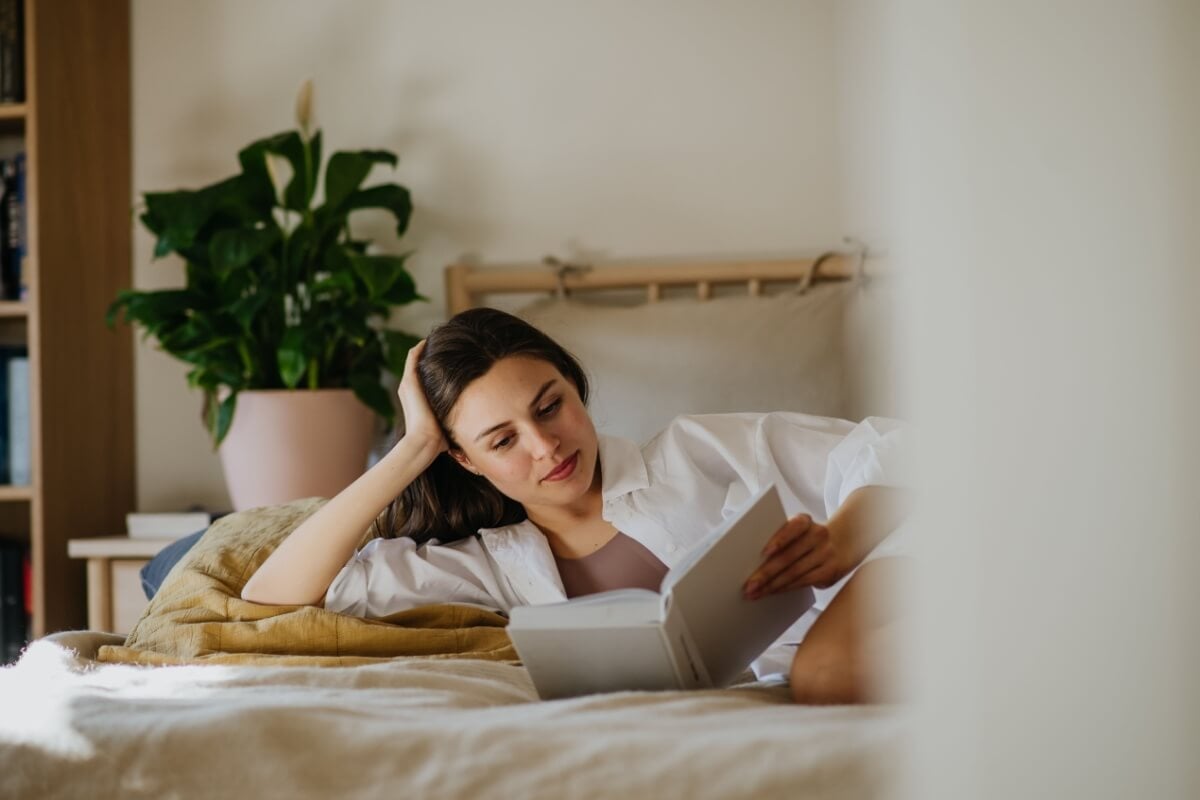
point(860, 631)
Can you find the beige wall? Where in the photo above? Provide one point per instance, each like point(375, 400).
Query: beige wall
point(605, 130)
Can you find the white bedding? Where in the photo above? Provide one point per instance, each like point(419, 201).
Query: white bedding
point(70, 727)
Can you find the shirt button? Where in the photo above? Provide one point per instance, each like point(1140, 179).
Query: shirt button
point(672, 548)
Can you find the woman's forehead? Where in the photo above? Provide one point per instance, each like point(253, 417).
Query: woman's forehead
point(505, 390)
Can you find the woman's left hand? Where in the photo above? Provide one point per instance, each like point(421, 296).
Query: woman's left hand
point(801, 553)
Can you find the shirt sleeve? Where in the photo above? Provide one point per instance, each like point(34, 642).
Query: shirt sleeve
point(875, 453)
point(390, 575)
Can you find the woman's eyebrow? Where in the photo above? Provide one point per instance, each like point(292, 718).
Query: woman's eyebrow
point(537, 398)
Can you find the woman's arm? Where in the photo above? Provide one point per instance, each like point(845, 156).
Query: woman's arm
point(807, 553)
point(301, 569)
point(869, 514)
point(306, 562)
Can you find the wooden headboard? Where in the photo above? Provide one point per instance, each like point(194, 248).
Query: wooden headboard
point(466, 284)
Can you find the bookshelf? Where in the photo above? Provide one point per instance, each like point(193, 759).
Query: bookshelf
point(74, 127)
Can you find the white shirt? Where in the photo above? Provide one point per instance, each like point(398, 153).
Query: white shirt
point(668, 495)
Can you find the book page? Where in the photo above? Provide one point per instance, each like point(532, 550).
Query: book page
point(729, 630)
point(620, 607)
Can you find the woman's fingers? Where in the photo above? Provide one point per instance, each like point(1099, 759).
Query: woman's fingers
point(792, 542)
point(410, 361)
point(811, 571)
point(793, 529)
point(808, 555)
point(419, 420)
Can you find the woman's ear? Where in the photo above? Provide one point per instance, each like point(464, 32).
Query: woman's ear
point(463, 460)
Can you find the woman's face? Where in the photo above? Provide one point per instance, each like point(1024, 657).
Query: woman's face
point(524, 427)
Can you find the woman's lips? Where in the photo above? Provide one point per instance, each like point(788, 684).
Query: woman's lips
point(564, 470)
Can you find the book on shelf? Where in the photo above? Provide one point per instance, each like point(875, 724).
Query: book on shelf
point(12, 51)
point(168, 525)
point(18, 420)
point(12, 228)
point(14, 415)
point(698, 631)
point(15, 611)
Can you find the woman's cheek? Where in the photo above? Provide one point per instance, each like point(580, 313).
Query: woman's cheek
point(508, 473)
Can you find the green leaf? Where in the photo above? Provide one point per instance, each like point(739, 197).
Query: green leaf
point(367, 388)
point(152, 309)
point(178, 218)
point(300, 188)
point(223, 418)
point(253, 158)
point(312, 167)
point(300, 247)
point(348, 169)
point(234, 248)
point(403, 289)
point(291, 357)
point(338, 288)
point(388, 196)
point(381, 273)
point(246, 309)
point(397, 345)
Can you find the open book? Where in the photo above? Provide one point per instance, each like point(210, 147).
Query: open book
point(697, 632)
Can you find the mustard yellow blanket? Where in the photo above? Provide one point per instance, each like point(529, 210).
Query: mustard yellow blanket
point(198, 615)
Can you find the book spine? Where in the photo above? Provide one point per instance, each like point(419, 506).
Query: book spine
point(13, 620)
point(19, 57)
point(10, 237)
point(18, 420)
point(690, 671)
point(6, 354)
point(23, 228)
point(9, 53)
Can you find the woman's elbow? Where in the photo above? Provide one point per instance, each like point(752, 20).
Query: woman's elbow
point(254, 593)
point(250, 592)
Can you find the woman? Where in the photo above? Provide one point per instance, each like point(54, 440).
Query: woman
point(500, 493)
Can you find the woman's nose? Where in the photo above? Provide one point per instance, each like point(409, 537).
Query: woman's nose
point(543, 443)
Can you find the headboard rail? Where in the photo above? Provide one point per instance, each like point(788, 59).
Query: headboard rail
point(465, 284)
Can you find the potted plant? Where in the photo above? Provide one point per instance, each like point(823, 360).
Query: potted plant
point(281, 315)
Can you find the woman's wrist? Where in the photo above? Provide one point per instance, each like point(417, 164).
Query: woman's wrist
point(415, 448)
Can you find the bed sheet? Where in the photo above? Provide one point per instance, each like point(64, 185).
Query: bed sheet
point(71, 727)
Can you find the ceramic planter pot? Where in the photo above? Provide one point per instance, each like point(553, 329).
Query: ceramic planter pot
point(288, 444)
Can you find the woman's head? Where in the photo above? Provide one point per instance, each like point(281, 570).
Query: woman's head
point(512, 405)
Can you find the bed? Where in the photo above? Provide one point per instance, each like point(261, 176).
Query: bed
point(212, 696)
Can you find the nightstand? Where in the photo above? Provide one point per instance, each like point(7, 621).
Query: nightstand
point(115, 597)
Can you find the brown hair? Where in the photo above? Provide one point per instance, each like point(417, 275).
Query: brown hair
point(446, 502)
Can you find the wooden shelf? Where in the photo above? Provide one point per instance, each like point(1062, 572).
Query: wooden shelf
point(75, 131)
point(11, 493)
point(116, 547)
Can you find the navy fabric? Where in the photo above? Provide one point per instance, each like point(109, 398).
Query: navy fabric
point(156, 569)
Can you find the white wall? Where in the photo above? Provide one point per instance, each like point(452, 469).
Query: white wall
point(603, 130)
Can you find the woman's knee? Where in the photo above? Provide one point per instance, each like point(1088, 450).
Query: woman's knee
point(828, 675)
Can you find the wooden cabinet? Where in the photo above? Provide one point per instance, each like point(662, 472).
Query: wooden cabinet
point(74, 127)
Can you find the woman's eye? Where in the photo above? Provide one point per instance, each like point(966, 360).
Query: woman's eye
point(502, 443)
point(546, 411)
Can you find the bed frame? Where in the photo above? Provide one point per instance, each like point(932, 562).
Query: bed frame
point(467, 284)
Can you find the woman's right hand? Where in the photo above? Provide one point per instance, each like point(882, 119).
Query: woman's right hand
point(420, 425)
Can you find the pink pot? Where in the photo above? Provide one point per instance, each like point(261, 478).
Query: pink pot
point(288, 444)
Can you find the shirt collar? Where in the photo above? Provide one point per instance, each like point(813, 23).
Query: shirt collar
point(622, 468)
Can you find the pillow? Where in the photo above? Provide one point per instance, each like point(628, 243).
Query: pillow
point(740, 353)
point(198, 615)
point(156, 569)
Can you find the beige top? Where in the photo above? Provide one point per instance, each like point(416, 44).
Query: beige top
point(622, 563)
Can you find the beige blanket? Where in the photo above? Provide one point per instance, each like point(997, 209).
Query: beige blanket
point(198, 615)
point(470, 728)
